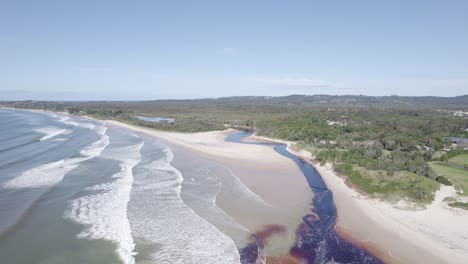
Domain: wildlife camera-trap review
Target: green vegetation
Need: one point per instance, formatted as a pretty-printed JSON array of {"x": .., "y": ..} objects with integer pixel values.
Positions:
[
  {"x": 444, "y": 180},
  {"x": 379, "y": 184},
  {"x": 454, "y": 169},
  {"x": 459, "y": 205},
  {"x": 460, "y": 159},
  {"x": 389, "y": 147}
]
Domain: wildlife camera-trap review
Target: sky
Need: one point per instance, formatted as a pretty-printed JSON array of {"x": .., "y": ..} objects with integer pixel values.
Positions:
[{"x": 145, "y": 50}]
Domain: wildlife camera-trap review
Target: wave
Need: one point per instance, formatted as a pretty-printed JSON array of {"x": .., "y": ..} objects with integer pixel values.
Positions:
[
  {"x": 59, "y": 140},
  {"x": 80, "y": 124},
  {"x": 51, "y": 173},
  {"x": 66, "y": 119},
  {"x": 158, "y": 215},
  {"x": 101, "y": 130},
  {"x": 19, "y": 145},
  {"x": 105, "y": 213},
  {"x": 50, "y": 132},
  {"x": 70, "y": 120},
  {"x": 97, "y": 147},
  {"x": 44, "y": 175}
]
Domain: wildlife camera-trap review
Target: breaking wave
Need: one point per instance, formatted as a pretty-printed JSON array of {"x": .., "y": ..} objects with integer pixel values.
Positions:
[
  {"x": 51, "y": 173},
  {"x": 104, "y": 213},
  {"x": 50, "y": 132},
  {"x": 159, "y": 216}
]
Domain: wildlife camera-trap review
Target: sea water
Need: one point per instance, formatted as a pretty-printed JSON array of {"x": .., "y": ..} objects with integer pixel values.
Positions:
[{"x": 78, "y": 191}]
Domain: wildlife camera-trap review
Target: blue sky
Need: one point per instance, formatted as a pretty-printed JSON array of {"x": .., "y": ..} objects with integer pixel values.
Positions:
[{"x": 108, "y": 50}]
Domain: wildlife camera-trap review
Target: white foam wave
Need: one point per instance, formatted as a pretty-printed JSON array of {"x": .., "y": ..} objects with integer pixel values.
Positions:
[
  {"x": 66, "y": 119},
  {"x": 44, "y": 175},
  {"x": 158, "y": 215},
  {"x": 80, "y": 124},
  {"x": 105, "y": 213},
  {"x": 96, "y": 148},
  {"x": 50, "y": 132},
  {"x": 60, "y": 139},
  {"x": 101, "y": 130},
  {"x": 51, "y": 173}
]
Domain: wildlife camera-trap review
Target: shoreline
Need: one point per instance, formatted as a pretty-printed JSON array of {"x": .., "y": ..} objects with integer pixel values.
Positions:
[
  {"x": 394, "y": 235},
  {"x": 286, "y": 196}
]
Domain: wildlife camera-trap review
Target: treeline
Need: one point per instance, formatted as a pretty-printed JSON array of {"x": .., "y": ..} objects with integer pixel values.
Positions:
[{"x": 383, "y": 137}]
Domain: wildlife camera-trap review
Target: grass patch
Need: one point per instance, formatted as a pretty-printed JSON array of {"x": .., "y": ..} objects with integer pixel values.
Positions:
[
  {"x": 459, "y": 205},
  {"x": 401, "y": 184},
  {"x": 461, "y": 160},
  {"x": 459, "y": 177}
]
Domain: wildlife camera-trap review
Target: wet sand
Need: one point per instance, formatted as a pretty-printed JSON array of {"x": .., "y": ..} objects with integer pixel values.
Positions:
[{"x": 282, "y": 196}]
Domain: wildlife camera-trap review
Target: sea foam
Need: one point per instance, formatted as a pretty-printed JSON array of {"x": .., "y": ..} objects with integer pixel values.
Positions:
[
  {"x": 159, "y": 216},
  {"x": 63, "y": 118},
  {"x": 50, "y": 132},
  {"x": 51, "y": 173},
  {"x": 97, "y": 147},
  {"x": 104, "y": 213},
  {"x": 44, "y": 175}
]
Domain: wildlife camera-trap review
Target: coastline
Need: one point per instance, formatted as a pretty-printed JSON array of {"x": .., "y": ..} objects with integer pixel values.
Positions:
[{"x": 437, "y": 234}]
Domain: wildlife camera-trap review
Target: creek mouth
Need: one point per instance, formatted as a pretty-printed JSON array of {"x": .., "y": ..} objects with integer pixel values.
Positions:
[{"x": 317, "y": 240}]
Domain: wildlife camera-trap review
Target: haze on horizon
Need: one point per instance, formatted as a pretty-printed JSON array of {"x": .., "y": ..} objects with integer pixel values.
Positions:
[{"x": 117, "y": 50}]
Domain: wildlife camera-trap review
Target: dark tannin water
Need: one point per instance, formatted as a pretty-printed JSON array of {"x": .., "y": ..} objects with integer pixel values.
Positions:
[{"x": 316, "y": 238}]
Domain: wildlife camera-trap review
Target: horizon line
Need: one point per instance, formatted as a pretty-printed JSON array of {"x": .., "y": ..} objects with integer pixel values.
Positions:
[{"x": 234, "y": 96}]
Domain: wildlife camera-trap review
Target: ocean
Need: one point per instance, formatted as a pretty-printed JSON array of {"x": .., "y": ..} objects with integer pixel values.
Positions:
[{"x": 78, "y": 191}]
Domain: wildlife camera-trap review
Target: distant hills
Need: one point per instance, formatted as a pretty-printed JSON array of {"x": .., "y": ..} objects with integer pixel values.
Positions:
[
  {"x": 336, "y": 100},
  {"x": 457, "y": 102},
  {"x": 353, "y": 100}
]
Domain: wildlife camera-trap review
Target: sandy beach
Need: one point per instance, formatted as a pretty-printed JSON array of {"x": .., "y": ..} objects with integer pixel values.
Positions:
[
  {"x": 437, "y": 234},
  {"x": 276, "y": 180}
]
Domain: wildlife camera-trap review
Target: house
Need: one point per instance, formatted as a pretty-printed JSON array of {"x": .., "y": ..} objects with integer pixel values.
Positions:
[{"x": 459, "y": 140}]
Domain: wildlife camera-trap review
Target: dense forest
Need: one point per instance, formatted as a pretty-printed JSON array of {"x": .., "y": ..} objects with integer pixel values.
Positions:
[{"x": 386, "y": 146}]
